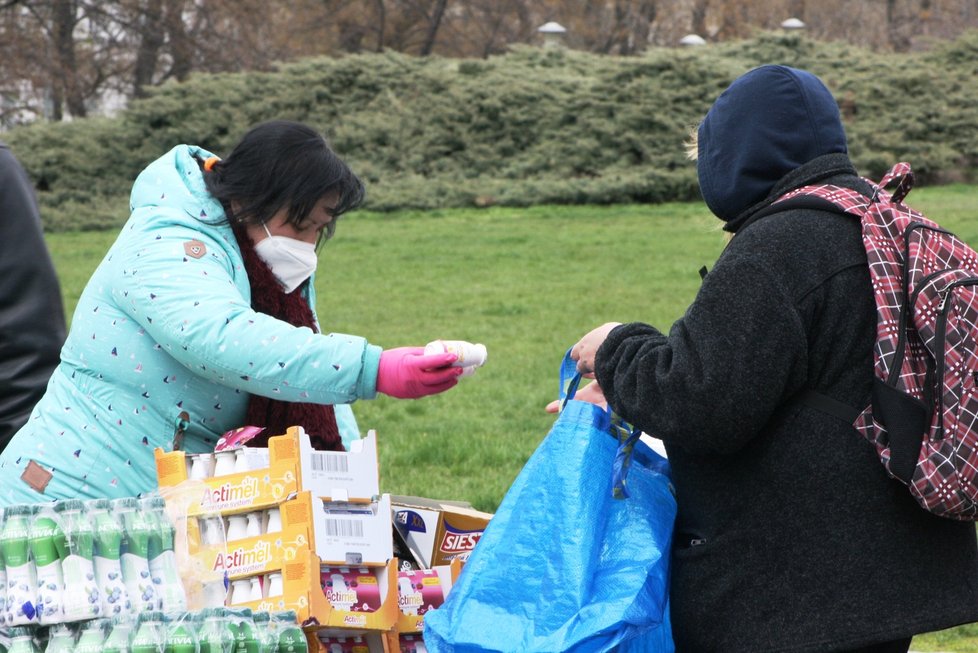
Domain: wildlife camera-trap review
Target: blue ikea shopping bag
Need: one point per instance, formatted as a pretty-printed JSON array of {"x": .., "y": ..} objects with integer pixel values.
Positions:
[{"x": 564, "y": 565}]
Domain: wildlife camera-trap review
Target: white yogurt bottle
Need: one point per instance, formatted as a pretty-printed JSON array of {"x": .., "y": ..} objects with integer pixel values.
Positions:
[
  {"x": 470, "y": 355},
  {"x": 202, "y": 466},
  {"x": 224, "y": 463},
  {"x": 237, "y": 527},
  {"x": 274, "y": 582},
  {"x": 240, "y": 591},
  {"x": 253, "y": 528},
  {"x": 274, "y": 524},
  {"x": 256, "y": 589},
  {"x": 241, "y": 463}
]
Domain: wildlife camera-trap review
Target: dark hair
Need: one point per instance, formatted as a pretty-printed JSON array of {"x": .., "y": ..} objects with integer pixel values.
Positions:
[{"x": 282, "y": 164}]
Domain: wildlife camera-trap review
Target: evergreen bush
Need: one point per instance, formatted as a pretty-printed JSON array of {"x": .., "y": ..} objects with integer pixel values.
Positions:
[{"x": 528, "y": 127}]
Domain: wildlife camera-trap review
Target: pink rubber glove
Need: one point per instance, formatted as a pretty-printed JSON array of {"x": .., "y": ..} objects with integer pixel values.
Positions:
[{"x": 407, "y": 373}]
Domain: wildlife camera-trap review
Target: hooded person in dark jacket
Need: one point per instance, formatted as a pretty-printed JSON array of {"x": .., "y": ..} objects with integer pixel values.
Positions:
[
  {"x": 790, "y": 535},
  {"x": 32, "y": 321}
]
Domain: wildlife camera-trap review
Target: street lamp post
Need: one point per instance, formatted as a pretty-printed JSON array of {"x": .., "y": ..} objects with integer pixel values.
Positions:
[
  {"x": 792, "y": 24},
  {"x": 553, "y": 34}
]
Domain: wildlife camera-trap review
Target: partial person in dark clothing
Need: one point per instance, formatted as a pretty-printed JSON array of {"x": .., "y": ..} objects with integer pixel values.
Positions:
[
  {"x": 790, "y": 535},
  {"x": 32, "y": 320}
]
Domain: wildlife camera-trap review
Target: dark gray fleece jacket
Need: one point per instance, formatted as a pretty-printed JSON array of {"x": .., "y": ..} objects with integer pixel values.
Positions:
[
  {"x": 790, "y": 535},
  {"x": 32, "y": 321}
]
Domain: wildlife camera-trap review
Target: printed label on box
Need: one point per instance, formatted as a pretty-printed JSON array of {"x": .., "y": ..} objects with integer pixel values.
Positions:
[
  {"x": 348, "y": 534},
  {"x": 352, "y": 590},
  {"x": 247, "y": 489},
  {"x": 258, "y": 554},
  {"x": 437, "y": 532},
  {"x": 419, "y": 591},
  {"x": 457, "y": 543}
]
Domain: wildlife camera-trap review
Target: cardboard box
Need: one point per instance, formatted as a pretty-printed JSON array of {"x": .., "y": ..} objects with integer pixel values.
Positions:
[
  {"x": 437, "y": 532},
  {"x": 353, "y": 533},
  {"x": 257, "y": 555},
  {"x": 292, "y": 466},
  {"x": 232, "y": 493},
  {"x": 341, "y": 476},
  {"x": 302, "y": 591},
  {"x": 342, "y": 534},
  {"x": 421, "y": 590},
  {"x": 332, "y": 475},
  {"x": 336, "y": 640},
  {"x": 411, "y": 643}
]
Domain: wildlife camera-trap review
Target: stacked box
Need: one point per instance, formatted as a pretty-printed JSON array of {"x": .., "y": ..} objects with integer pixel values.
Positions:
[
  {"x": 422, "y": 590},
  {"x": 339, "y": 533},
  {"x": 303, "y": 592},
  {"x": 330, "y": 516},
  {"x": 290, "y": 465},
  {"x": 327, "y": 640}
]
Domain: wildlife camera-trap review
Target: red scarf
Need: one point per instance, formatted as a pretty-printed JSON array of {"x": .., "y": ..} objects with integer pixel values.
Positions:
[{"x": 267, "y": 297}]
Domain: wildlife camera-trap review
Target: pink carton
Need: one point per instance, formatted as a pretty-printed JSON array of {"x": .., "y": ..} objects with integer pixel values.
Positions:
[
  {"x": 334, "y": 640},
  {"x": 344, "y": 644},
  {"x": 419, "y": 591},
  {"x": 412, "y": 644},
  {"x": 351, "y": 589}
]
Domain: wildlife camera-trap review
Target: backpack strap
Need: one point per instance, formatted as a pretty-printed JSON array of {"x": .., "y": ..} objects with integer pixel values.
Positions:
[
  {"x": 902, "y": 174},
  {"x": 828, "y": 405},
  {"x": 907, "y": 419},
  {"x": 811, "y": 202},
  {"x": 809, "y": 397}
]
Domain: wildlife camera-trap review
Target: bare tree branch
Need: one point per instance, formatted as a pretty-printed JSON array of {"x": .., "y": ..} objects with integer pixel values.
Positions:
[{"x": 433, "y": 23}]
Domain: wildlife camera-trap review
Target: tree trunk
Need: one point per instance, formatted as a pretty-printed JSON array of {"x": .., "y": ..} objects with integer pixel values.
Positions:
[
  {"x": 381, "y": 26},
  {"x": 433, "y": 24},
  {"x": 57, "y": 103},
  {"x": 648, "y": 11},
  {"x": 490, "y": 40},
  {"x": 697, "y": 23},
  {"x": 181, "y": 44},
  {"x": 896, "y": 28},
  {"x": 62, "y": 33},
  {"x": 621, "y": 33},
  {"x": 148, "y": 51},
  {"x": 632, "y": 21},
  {"x": 925, "y": 16}
]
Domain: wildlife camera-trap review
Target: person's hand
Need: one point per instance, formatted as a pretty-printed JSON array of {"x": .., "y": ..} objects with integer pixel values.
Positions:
[
  {"x": 591, "y": 393},
  {"x": 587, "y": 347},
  {"x": 409, "y": 373}
]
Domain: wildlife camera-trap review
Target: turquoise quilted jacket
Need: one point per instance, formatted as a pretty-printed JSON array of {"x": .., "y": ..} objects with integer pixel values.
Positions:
[{"x": 164, "y": 340}]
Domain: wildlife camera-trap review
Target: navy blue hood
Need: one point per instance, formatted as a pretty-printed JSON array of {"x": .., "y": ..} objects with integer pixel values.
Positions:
[{"x": 767, "y": 123}]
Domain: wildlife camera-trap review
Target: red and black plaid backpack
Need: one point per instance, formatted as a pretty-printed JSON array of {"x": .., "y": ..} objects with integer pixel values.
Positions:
[{"x": 923, "y": 417}]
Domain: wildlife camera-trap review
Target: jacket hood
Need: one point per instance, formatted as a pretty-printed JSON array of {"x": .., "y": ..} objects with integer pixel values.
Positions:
[
  {"x": 175, "y": 181},
  {"x": 767, "y": 123}
]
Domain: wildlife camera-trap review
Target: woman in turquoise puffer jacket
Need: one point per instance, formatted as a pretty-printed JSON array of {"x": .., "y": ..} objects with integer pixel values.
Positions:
[{"x": 200, "y": 319}]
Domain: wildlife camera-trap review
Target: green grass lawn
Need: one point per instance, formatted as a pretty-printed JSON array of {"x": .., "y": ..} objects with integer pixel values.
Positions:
[{"x": 525, "y": 282}]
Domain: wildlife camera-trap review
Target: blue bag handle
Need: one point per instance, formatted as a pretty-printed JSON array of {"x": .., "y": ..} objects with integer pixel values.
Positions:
[{"x": 626, "y": 434}]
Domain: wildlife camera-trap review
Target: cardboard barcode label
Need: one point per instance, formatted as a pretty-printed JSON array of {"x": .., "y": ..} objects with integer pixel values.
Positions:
[
  {"x": 324, "y": 462},
  {"x": 343, "y": 528}
]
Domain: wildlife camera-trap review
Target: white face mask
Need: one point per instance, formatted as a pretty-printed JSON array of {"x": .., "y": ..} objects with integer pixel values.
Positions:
[{"x": 292, "y": 261}]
